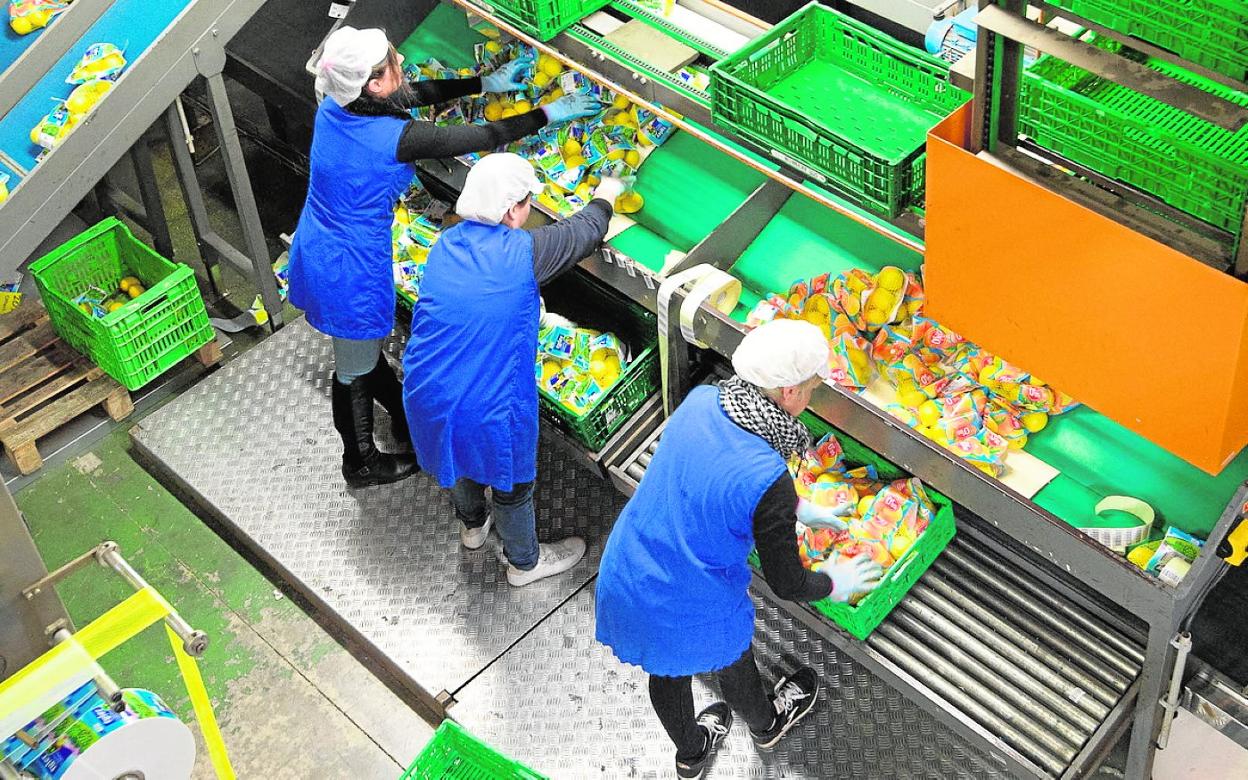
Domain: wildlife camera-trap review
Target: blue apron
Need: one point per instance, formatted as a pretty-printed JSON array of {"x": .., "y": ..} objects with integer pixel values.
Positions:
[
  {"x": 341, "y": 258},
  {"x": 673, "y": 585},
  {"x": 468, "y": 383}
]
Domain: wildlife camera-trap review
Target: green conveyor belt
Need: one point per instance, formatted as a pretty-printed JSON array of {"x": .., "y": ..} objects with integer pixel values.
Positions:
[
  {"x": 690, "y": 188},
  {"x": 444, "y": 35}
]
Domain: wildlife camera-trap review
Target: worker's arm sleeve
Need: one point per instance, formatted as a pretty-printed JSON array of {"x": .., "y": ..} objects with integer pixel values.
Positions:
[
  {"x": 425, "y": 140},
  {"x": 434, "y": 91},
  {"x": 776, "y": 539},
  {"x": 561, "y": 245}
]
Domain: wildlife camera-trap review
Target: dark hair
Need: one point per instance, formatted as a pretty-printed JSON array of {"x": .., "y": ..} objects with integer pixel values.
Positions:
[{"x": 391, "y": 60}]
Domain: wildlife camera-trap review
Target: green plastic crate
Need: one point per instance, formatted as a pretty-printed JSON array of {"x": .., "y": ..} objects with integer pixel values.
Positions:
[
  {"x": 840, "y": 101},
  {"x": 1185, "y": 161},
  {"x": 861, "y": 619},
  {"x": 589, "y": 305},
  {"x": 145, "y": 337},
  {"x": 454, "y": 754},
  {"x": 544, "y": 19},
  {"x": 1211, "y": 33}
]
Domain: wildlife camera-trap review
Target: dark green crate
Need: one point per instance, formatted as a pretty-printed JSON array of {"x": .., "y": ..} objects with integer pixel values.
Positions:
[
  {"x": 544, "y": 19},
  {"x": 454, "y": 754},
  {"x": 1210, "y": 33},
  {"x": 863, "y": 618},
  {"x": 1181, "y": 159},
  {"x": 590, "y": 305},
  {"x": 839, "y": 100},
  {"x": 149, "y": 334}
]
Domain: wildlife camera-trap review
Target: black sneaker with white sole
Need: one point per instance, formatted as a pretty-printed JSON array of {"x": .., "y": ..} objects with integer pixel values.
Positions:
[
  {"x": 715, "y": 721},
  {"x": 796, "y": 695}
]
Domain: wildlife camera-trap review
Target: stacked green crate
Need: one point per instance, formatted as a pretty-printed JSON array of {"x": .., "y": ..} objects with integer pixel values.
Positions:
[
  {"x": 1183, "y": 160},
  {"x": 1210, "y": 33}
]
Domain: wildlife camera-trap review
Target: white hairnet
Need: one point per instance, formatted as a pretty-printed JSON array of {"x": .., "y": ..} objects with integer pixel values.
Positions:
[
  {"x": 347, "y": 60},
  {"x": 496, "y": 183},
  {"x": 782, "y": 353}
]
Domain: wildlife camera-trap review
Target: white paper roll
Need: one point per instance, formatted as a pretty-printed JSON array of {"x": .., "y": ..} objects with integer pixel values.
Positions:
[
  {"x": 710, "y": 285},
  {"x": 157, "y": 748}
]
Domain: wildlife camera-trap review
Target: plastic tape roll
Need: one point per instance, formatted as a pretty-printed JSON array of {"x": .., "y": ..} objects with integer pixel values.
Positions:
[
  {"x": 1120, "y": 538},
  {"x": 708, "y": 285}
]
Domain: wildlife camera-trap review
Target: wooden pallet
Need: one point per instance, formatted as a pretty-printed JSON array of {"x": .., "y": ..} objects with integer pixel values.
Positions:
[{"x": 45, "y": 383}]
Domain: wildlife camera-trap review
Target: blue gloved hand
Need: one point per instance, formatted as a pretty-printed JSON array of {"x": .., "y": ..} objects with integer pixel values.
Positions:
[
  {"x": 851, "y": 577},
  {"x": 510, "y": 77},
  {"x": 575, "y": 106}
]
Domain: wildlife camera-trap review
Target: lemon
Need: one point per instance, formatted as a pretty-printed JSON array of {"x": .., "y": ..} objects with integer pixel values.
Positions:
[
  {"x": 584, "y": 191},
  {"x": 541, "y": 80},
  {"x": 891, "y": 278},
  {"x": 493, "y": 47},
  {"x": 876, "y": 316},
  {"x": 863, "y": 503},
  {"x": 629, "y": 203},
  {"x": 551, "y": 67},
  {"x": 39, "y": 19},
  {"x": 571, "y": 148},
  {"x": 86, "y": 308},
  {"x": 523, "y": 106},
  {"x": 508, "y": 113},
  {"x": 899, "y": 545},
  {"x": 1019, "y": 443},
  {"x": 593, "y": 179},
  {"x": 858, "y": 359},
  {"x": 555, "y": 93},
  {"x": 603, "y": 373},
  {"x": 113, "y": 306},
  {"x": 549, "y": 369},
  {"x": 1034, "y": 422},
  {"x": 617, "y": 154},
  {"x": 929, "y": 413},
  {"x": 128, "y": 282},
  {"x": 135, "y": 290},
  {"x": 21, "y": 25},
  {"x": 34, "y": 134},
  {"x": 575, "y": 161},
  {"x": 913, "y": 398},
  {"x": 493, "y": 111},
  {"x": 632, "y": 157},
  {"x": 852, "y": 306},
  {"x": 620, "y": 102}
]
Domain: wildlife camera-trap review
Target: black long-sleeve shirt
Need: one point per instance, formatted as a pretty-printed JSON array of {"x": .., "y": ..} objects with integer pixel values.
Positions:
[
  {"x": 561, "y": 245},
  {"x": 423, "y": 140},
  {"x": 774, "y": 536}
]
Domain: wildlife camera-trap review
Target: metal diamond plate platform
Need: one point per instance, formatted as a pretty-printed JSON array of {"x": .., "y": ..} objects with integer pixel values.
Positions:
[
  {"x": 562, "y": 704},
  {"x": 254, "y": 444}
]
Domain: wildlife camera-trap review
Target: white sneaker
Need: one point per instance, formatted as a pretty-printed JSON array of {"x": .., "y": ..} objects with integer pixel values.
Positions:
[
  {"x": 473, "y": 538},
  {"x": 554, "y": 558}
]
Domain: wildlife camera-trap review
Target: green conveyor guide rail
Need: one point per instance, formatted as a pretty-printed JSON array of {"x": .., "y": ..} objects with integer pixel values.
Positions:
[{"x": 691, "y": 187}]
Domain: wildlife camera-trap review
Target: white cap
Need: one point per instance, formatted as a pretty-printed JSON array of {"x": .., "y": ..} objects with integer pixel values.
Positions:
[
  {"x": 782, "y": 353},
  {"x": 496, "y": 183},
  {"x": 347, "y": 60}
]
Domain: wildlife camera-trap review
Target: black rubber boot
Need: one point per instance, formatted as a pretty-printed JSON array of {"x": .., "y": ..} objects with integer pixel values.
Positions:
[
  {"x": 388, "y": 390},
  {"x": 362, "y": 463}
]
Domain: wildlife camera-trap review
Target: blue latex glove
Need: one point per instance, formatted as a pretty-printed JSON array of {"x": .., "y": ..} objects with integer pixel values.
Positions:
[
  {"x": 510, "y": 77},
  {"x": 575, "y": 106},
  {"x": 851, "y": 576}
]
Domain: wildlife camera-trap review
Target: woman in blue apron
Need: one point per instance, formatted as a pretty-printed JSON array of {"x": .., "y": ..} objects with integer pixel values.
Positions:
[
  {"x": 364, "y": 143},
  {"x": 673, "y": 585},
  {"x": 468, "y": 369}
]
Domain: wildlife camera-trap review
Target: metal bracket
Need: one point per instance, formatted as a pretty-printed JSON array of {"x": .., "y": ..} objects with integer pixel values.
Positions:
[
  {"x": 108, "y": 555},
  {"x": 725, "y": 244}
]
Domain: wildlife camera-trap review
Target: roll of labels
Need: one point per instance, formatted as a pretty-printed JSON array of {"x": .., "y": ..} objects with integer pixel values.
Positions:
[
  {"x": 88, "y": 737},
  {"x": 56, "y": 722},
  {"x": 707, "y": 284}
]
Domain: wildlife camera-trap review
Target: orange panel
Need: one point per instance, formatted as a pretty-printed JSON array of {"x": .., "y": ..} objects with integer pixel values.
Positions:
[{"x": 1138, "y": 331}]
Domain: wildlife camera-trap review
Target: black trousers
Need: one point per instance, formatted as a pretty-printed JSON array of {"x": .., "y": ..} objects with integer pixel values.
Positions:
[{"x": 672, "y": 699}]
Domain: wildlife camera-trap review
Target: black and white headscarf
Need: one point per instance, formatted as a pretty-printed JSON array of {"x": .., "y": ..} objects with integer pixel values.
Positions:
[{"x": 748, "y": 407}]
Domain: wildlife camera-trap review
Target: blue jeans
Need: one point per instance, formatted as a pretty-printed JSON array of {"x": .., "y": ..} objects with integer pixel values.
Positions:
[
  {"x": 513, "y": 517},
  {"x": 353, "y": 358}
]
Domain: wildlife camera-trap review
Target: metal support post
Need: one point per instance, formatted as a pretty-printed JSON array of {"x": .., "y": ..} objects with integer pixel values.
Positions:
[
  {"x": 189, "y": 182},
  {"x": 1159, "y": 659},
  {"x": 244, "y": 197},
  {"x": 149, "y": 194}
]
